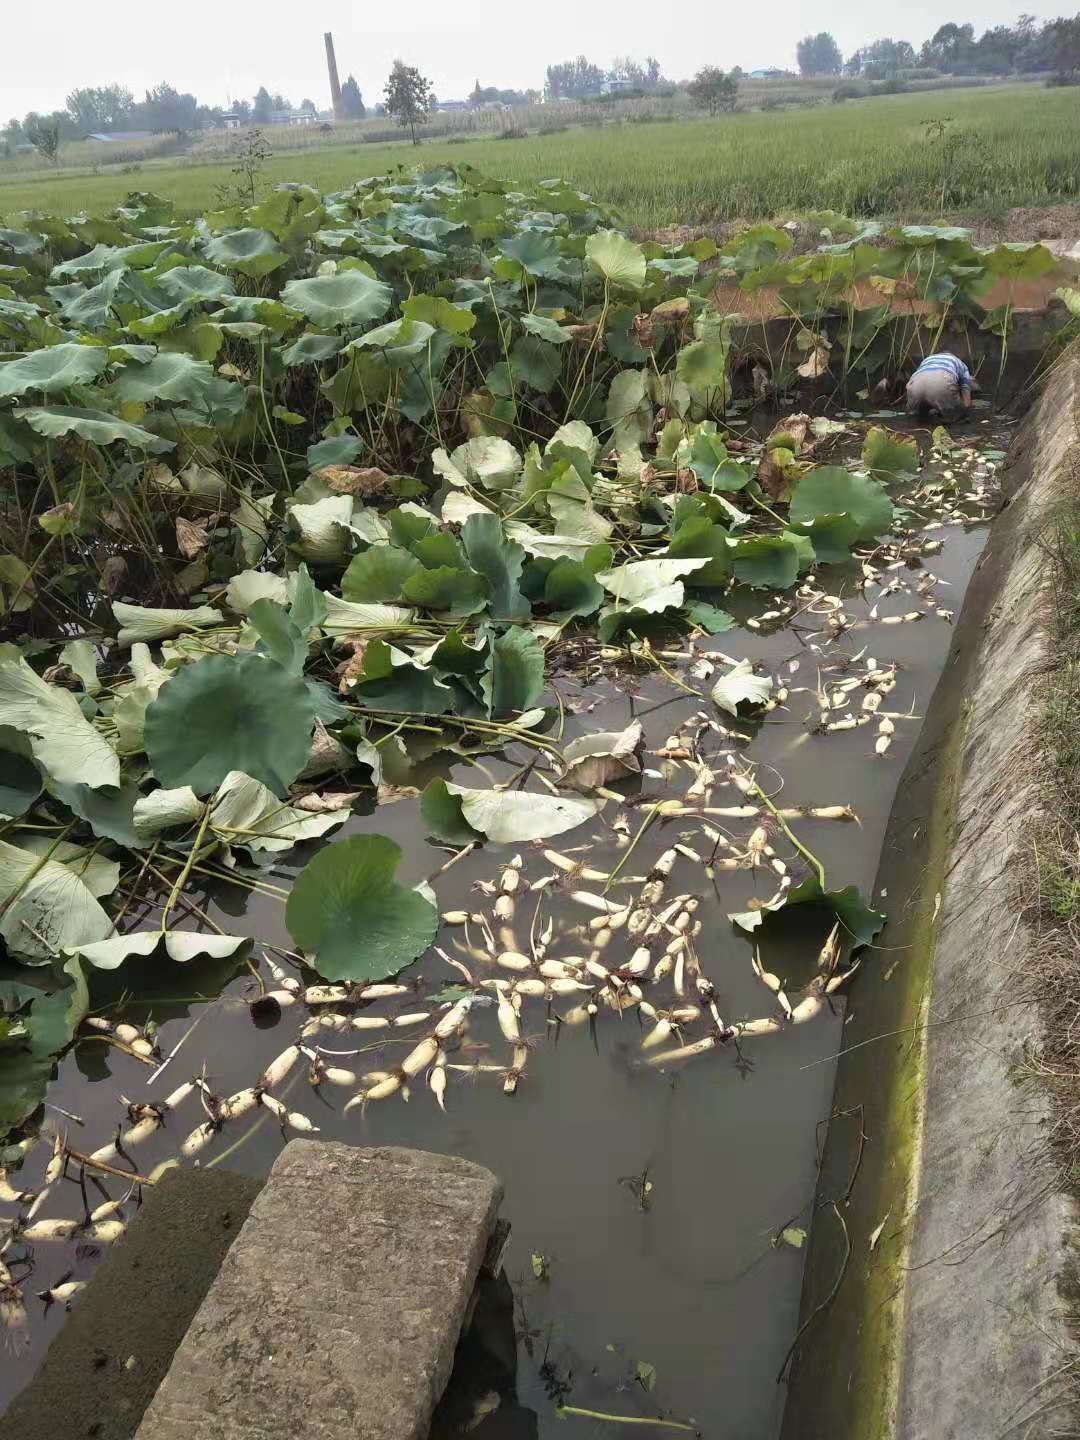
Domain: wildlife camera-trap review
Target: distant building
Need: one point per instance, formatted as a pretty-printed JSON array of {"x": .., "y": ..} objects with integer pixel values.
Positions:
[
  {"x": 109, "y": 137},
  {"x": 616, "y": 85},
  {"x": 293, "y": 117},
  {"x": 231, "y": 120},
  {"x": 451, "y": 105},
  {"x": 772, "y": 73}
]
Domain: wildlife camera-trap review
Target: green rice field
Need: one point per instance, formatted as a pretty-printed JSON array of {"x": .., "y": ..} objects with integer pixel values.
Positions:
[{"x": 1002, "y": 146}]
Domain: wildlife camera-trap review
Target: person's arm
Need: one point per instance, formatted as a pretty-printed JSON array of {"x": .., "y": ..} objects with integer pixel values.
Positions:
[{"x": 967, "y": 385}]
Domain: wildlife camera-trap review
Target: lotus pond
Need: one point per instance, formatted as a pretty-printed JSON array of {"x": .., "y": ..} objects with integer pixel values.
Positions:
[{"x": 439, "y": 707}]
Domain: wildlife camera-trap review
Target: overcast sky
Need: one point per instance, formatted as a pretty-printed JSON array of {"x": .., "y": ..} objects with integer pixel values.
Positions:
[{"x": 221, "y": 50}]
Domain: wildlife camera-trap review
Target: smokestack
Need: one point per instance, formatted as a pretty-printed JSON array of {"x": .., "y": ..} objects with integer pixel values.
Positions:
[{"x": 335, "y": 83}]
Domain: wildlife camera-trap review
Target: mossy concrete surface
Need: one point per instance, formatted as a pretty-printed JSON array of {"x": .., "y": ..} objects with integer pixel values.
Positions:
[
  {"x": 937, "y": 1299},
  {"x": 102, "y": 1370}
]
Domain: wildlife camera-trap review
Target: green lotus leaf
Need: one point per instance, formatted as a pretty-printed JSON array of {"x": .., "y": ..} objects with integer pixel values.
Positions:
[
  {"x": 456, "y": 591},
  {"x": 641, "y": 582},
  {"x": 96, "y": 426},
  {"x": 441, "y": 314},
  {"x": 247, "y": 815},
  {"x": 109, "y": 811},
  {"x": 46, "y": 1024},
  {"x": 741, "y": 686},
  {"x": 500, "y": 561},
  {"x": 443, "y": 815},
  {"x": 710, "y": 462},
  {"x": 323, "y": 528},
  {"x": 312, "y": 349},
  {"x": 279, "y": 638},
  {"x": 93, "y": 307},
  {"x": 337, "y": 450},
  {"x": 487, "y": 461},
  {"x": 20, "y": 242},
  {"x": 535, "y": 363},
  {"x": 141, "y": 623},
  {"x": 711, "y": 619},
  {"x": 514, "y": 678},
  {"x": 545, "y": 329},
  {"x": 629, "y": 410},
  {"x": 617, "y": 259},
  {"x": 392, "y": 680},
  {"x": 510, "y": 817},
  {"x": 53, "y": 370},
  {"x": 832, "y": 537},
  {"x": 163, "y": 322},
  {"x": 535, "y": 253},
  {"x": 195, "y": 282},
  {"x": 178, "y": 945},
  {"x": 398, "y": 341},
  {"x": 348, "y": 298},
  {"x": 831, "y": 490},
  {"x": 168, "y": 378},
  {"x": 64, "y": 743},
  {"x": 20, "y": 778},
  {"x": 700, "y": 538},
  {"x": 348, "y": 913},
  {"x": 378, "y": 574},
  {"x": 45, "y": 906},
  {"x": 885, "y": 453},
  {"x": 1019, "y": 260},
  {"x": 252, "y": 252},
  {"x": 765, "y": 561},
  {"x": 571, "y": 589},
  {"x": 702, "y": 365},
  {"x": 858, "y": 921},
  {"x": 225, "y": 713}
]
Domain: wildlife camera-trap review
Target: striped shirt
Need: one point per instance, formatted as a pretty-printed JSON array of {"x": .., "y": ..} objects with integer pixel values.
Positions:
[{"x": 950, "y": 365}]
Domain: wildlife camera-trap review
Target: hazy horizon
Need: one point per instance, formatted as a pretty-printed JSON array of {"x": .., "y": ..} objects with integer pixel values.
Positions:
[{"x": 222, "y": 54}]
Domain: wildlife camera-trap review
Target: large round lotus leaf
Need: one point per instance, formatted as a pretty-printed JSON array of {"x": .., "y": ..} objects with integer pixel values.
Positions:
[
  {"x": 252, "y": 252},
  {"x": 97, "y": 426},
  {"x": 347, "y": 911},
  {"x": 350, "y": 298},
  {"x": 230, "y": 712},
  {"x": 195, "y": 282},
  {"x": 170, "y": 376},
  {"x": 54, "y": 369},
  {"x": 834, "y": 491},
  {"x": 618, "y": 259}
]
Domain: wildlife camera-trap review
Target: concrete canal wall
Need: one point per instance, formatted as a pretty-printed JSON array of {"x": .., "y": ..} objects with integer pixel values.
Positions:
[{"x": 942, "y": 1268}]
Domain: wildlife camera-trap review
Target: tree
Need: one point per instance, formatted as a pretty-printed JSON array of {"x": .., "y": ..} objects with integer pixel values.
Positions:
[
  {"x": 308, "y": 106},
  {"x": 1063, "y": 37},
  {"x": 573, "y": 79},
  {"x": 165, "y": 108},
  {"x": 352, "y": 102},
  {"x": 408, "y": 97},
  {"x": 101, "y": 107},
  {"x": 653, "y": 74},
  {"x": 819, "y": 55},
  {"x": 242, "y": 111},
  {"x": 712, "y": 90},
  {"x": 950, "y": 47},
  {"x": 44, "y": 135},
  {"x": 263, "y": 107}
]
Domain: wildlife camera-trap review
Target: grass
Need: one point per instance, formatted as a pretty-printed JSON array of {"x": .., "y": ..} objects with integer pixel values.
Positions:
[{"x": 1009, "y": 146}]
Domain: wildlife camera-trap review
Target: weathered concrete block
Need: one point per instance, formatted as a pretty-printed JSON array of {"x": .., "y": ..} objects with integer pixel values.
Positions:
[
  {"x": 101, "y": 1371},
  {"x": 338, "y": 1308}
]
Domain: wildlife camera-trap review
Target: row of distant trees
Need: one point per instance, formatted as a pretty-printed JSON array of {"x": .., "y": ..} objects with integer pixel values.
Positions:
[
  {"x": 1029, "y": 45},
  {"x": 580, "y": 78}
]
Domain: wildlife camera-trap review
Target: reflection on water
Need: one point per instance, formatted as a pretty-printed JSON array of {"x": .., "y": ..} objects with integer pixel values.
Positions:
[{"x": 645, "y": 1271}]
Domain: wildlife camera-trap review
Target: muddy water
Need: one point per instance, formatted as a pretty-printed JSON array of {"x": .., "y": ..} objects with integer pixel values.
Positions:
[{"x": 685, "y": 1280}]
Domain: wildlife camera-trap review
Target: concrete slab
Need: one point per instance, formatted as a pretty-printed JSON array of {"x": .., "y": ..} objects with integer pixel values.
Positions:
[
  {"x": 337, "y": 1311},
  {"x": 103, "y": 1368}
]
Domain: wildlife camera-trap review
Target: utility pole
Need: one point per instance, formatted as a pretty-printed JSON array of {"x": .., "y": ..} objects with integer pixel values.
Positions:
[{"x": 335, "y": 83}]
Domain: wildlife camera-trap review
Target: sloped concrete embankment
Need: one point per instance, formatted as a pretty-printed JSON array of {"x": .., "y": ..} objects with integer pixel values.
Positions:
[{"x": 943, "y": 1260}]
